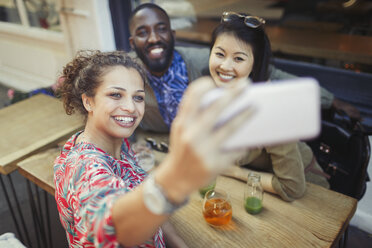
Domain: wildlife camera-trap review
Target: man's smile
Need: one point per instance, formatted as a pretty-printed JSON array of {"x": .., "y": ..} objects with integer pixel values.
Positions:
[{"x": 155, "y": 52}]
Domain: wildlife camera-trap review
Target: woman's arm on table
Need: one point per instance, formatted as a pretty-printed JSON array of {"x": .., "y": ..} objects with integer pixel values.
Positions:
[
  {"x": 242, "y": 174},
  {"x": 288, "y": 177}
]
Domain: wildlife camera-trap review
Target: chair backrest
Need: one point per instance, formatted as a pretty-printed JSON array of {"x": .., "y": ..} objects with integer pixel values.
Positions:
[
  {"x": 343, "y": 151},
  {"x": 349, "y": 86}
]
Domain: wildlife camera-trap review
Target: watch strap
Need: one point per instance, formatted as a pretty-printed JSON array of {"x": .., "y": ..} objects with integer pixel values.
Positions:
[{"x": 151, "y": 188}]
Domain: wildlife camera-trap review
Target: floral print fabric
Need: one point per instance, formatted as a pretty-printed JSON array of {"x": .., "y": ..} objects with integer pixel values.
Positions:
[
  {"x": 88, "y": 181},
  {"x": 170, "y": 87}
]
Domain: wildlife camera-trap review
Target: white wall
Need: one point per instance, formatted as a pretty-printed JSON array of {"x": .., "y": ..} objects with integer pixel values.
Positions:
[
  {"x": 87, "y": 25},
  {"x": 32, "y": 57},
  {"x": 29, "y": 57}
]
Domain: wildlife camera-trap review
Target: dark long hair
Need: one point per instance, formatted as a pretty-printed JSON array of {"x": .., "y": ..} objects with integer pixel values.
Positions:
[{"x": 256, "y": 38}]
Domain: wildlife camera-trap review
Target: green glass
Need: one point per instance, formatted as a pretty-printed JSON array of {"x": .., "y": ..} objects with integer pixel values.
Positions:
[
  {"x": 205, "y": 189},
  {"x": 253, "y": 194},
  {"x": 253, "y": 205}
]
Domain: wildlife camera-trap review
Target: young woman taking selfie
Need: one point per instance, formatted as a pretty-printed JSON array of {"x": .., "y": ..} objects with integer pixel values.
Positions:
[{"x": 103, "y": 197}]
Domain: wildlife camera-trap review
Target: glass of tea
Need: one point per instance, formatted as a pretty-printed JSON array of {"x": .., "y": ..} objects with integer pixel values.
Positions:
[{"x": 217, "y": 209}]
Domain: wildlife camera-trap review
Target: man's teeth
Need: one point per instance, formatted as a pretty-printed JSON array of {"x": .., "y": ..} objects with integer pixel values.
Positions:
[
  {"x": 157, "y": 50},
  {"x": 124, "y": 119},
  {"x": 225, "y": 76}
]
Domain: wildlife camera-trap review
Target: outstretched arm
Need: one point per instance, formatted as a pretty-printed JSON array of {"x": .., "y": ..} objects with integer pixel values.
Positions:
[
  {"x": 242, "y": 174},
  {"x": 194, "y": 158},
  {"x": 287, "y": 178}
]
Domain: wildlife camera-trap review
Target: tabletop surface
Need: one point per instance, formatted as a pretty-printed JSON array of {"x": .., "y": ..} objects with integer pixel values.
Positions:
[
  {"x": 316, "y": 220},
  {"x": 31, "y": 125},
  {"x": 39, "y": 168}
]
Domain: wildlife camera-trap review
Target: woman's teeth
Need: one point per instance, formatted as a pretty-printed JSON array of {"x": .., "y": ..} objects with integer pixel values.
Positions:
[
  {"x": 225, "y": 76},
  {"x": 124, "y": 119}
]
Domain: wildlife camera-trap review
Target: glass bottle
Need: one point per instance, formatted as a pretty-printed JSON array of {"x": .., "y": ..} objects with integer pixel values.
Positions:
[{"x": 253, "y": 194}]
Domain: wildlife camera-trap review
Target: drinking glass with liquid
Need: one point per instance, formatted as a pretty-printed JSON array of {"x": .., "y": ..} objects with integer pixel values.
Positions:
[
  {"x": 144, "y": 155},
  {"x": 217, "y": 209},
  {"x": 253, "y": 194}
]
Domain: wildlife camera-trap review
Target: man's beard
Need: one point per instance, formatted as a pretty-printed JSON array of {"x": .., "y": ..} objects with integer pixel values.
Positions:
[{"x": 157, "y": 65}]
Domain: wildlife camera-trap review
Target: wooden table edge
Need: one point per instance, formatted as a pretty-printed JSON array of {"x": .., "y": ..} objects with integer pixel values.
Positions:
[
  {"x": 346, "y": 223},
  {"x": 9, "y": 168},
  {"x": 40, "y": 183}
]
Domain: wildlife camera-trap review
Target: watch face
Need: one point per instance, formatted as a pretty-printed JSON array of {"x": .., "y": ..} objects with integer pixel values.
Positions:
[
  {"x": 154, "y": 202},
  {"x": 153, "y": 198}
]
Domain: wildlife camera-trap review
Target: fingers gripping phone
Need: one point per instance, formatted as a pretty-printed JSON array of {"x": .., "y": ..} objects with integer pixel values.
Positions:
[{"x": 281, "y": 112}]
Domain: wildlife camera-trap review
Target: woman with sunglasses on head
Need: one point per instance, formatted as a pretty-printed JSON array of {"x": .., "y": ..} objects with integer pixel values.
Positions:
[
  {"x": 103, "y": 197},
  {"x": 240, "y": 49}
]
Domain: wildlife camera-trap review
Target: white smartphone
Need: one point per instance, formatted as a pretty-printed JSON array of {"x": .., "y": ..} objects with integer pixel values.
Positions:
[{"x": 281, "y": 111}]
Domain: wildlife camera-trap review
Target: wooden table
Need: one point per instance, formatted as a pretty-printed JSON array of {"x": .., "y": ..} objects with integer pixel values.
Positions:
[
  {"x": 39, "y": 169},
  {"x": 317, "y": 220},
  {"x": 31, "y": 125},
  {"x": 26, "y": 128},
  {"x": 304, "y": 42}
]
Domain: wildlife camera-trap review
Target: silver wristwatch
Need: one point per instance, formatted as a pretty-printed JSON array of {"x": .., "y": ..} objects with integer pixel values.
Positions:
[{"x": 155, "y": 198}]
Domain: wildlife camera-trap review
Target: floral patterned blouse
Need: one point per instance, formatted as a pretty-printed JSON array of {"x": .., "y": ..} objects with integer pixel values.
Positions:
[{"x": 88, "y": 181}]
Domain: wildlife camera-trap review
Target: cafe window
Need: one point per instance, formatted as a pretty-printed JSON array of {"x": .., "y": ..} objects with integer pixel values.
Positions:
[
  {"x": 31, "y": 13},
  {"x": 181, "y": 12},
  {"x": 9, "y": 12}
]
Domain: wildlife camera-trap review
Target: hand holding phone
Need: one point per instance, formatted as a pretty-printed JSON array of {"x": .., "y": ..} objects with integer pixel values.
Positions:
[{"x": 281, "y": 112}]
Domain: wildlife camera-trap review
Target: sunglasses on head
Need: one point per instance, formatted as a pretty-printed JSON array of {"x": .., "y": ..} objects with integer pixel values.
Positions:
[
  {"x": 162, "y": 147},
  {"x": 250, "y": 21}
]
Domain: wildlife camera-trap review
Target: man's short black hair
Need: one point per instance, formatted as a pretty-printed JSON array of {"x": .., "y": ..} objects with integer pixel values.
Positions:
[{"x": 144, "y": 6}]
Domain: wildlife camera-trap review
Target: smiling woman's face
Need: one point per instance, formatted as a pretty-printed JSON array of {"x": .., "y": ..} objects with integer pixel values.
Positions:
[
  {"x": 118, "y": 105},
  {"x": 230, "y": 60}
]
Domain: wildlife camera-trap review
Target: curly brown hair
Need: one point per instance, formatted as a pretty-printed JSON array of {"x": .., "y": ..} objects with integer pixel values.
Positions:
[{"x": 83, "y": 75}]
